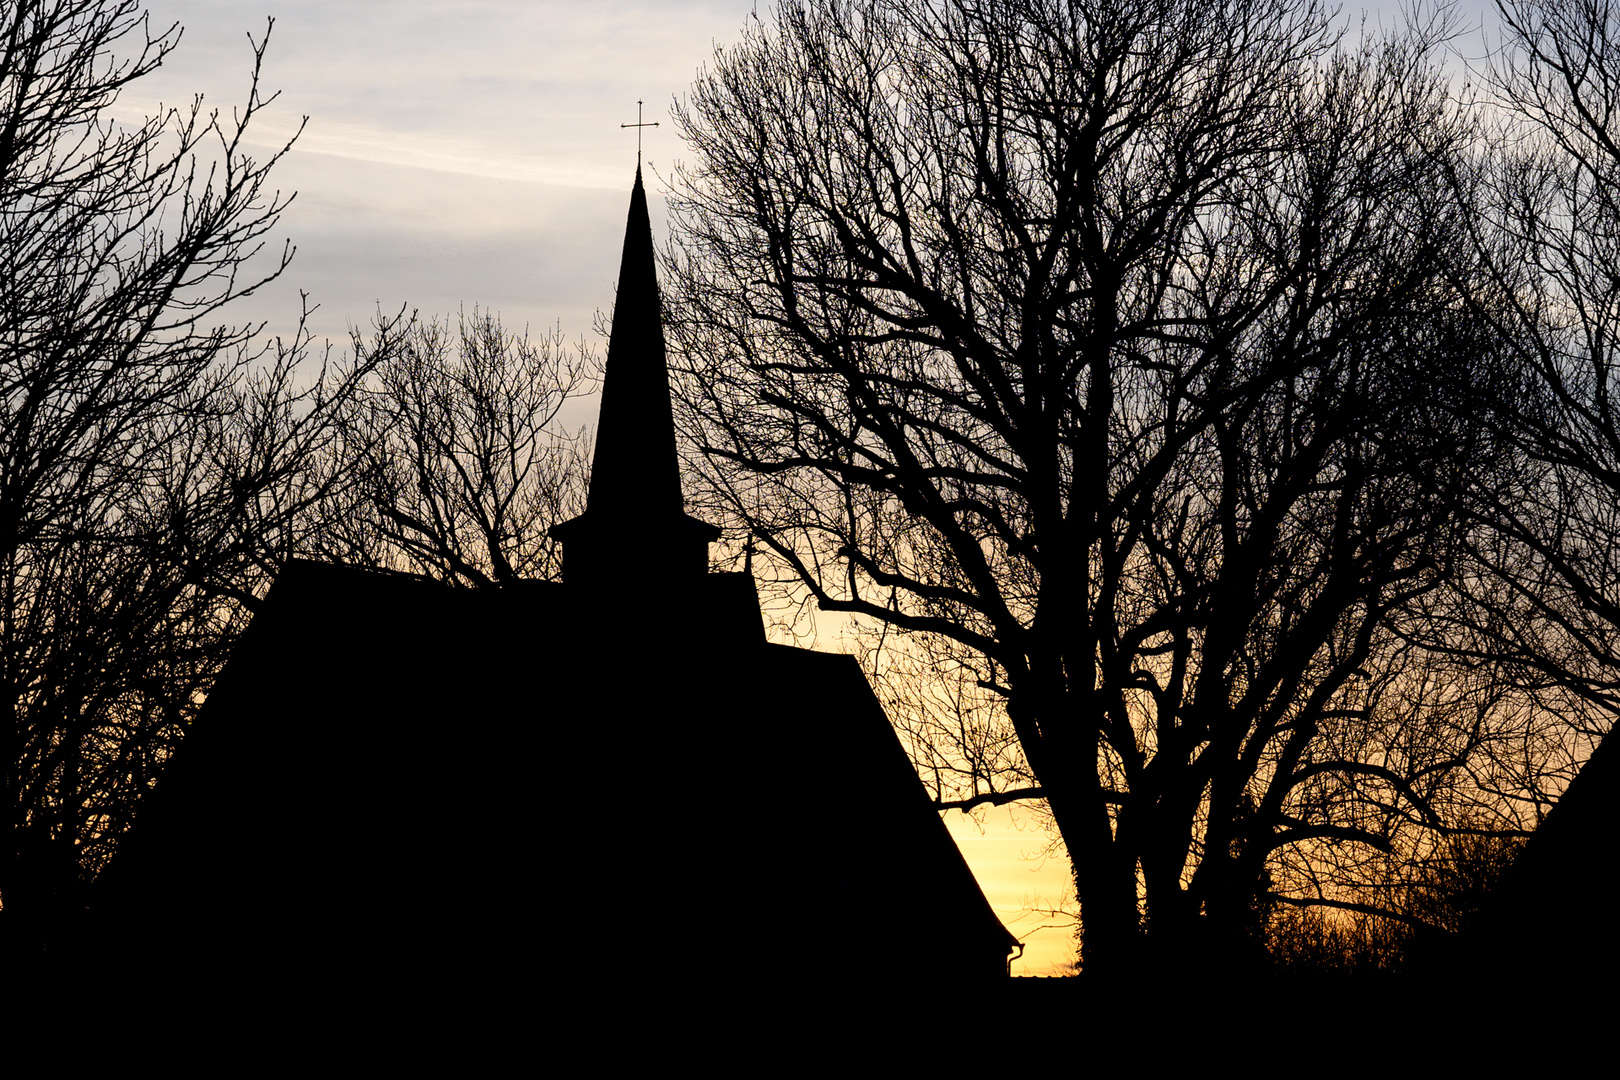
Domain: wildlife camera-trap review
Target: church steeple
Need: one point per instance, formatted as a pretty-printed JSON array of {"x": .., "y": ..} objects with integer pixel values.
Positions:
[{"x": 634, "y": 522}]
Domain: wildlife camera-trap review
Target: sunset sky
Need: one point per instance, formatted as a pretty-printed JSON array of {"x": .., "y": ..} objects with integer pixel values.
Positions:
[{"x": 470, "y": 153}]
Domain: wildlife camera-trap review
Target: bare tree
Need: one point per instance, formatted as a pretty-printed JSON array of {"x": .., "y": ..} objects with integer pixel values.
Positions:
[
  {"x": 1114, "y": 353},
  {"x": 152, "y": 466},
  {"x": 1443, "y": 892},
  {"x": 455, "y": 459},
  {"x": 1549, "y": 232}
]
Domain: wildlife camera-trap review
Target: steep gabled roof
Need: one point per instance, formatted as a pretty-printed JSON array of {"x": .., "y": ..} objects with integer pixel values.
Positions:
[
  {"x": 1549, "y": 924},
  {"x": 403, "y": 783},
  {"x": 400, "y": 781}
]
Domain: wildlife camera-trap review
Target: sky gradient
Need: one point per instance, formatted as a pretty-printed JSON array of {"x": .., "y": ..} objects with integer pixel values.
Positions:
[{"x": 461, "y": 154}]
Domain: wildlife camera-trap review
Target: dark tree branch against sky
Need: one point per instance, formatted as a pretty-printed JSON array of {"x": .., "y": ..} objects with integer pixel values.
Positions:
[
  {"x": 452, "y": 462},
  {"x": 1549, "y": 234},
  {"x": 153, "y": 464},
  {"x": 1120, "y": 358}
]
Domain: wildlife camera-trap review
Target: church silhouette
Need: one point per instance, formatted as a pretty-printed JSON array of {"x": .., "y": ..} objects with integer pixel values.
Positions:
[{"x": 397, "y": 782}]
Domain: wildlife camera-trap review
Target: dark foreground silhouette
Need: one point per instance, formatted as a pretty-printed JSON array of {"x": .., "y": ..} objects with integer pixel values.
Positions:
[
  {"x": 402, "y": 787},
  {"x": 399, "y": 784}
]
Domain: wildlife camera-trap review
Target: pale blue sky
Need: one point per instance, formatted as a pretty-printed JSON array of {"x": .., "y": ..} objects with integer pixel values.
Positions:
[{"x": 456, "y": 152}]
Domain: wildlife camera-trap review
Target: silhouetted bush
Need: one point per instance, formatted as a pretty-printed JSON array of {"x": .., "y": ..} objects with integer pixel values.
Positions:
[{"x": 1442, "y": 897}]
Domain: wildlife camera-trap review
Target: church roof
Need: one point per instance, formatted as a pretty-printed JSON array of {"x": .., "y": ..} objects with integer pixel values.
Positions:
[
  {"x": 1549, "y": 923},
  {"x": 400, "y": 778}
]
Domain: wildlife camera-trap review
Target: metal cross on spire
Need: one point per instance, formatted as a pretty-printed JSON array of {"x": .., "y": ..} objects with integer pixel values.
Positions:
[{"x": 638, "y": 125}]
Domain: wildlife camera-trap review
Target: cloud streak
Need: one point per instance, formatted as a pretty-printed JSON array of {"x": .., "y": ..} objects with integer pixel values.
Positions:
[{"x": 454, "y": 153}]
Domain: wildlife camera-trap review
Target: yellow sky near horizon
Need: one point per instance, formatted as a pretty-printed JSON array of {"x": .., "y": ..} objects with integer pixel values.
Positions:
[{"x": 1006, "y": 849}]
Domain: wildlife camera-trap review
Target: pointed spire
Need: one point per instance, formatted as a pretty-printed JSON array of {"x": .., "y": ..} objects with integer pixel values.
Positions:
[
  {"x": 636, "y": 468},
  {"x": 634, "y": 519}
]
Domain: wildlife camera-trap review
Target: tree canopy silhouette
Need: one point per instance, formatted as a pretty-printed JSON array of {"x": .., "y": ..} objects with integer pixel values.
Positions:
[
  {"x": 1548, "y": 218},
  {"x": 1117, "y": 356},
  {"x": 153, "y": 465},
  {"x": 454, "y": 459}
]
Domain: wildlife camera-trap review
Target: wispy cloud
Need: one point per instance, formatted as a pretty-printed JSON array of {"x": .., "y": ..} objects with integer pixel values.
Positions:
[{"x": 455, "y": 152}]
